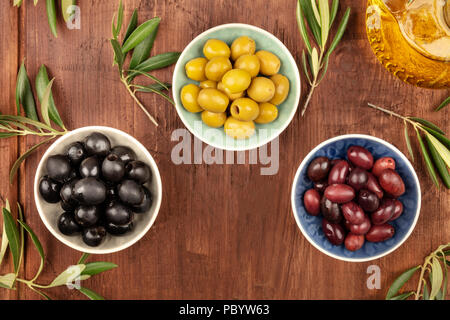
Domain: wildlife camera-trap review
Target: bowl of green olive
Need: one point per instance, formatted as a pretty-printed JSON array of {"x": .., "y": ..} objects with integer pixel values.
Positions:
[{"x": 236, "y": 87}]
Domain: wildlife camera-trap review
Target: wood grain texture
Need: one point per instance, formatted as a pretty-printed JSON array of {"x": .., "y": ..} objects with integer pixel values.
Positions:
[{"x": 223, "y": 231}]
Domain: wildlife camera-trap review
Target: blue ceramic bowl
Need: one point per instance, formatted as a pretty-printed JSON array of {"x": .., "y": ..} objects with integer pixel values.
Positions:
[
  {"x": 264, "y": 132},
  {"x": 311, "y": 226}
]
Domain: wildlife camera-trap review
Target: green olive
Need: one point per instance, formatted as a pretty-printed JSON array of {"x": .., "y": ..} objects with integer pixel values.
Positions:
[
  {"x": 261, "y": 89},
  {"x": 195, "y": 69},
  {"x": 214, "y": 119},
  {"x": 189, "y": 95},
  {"x": 249, "y": 63},
  {"x": 239, "y": 129},
  {"x": 208, "y": 84},
  {"x": 216, "y": 48},
  {"x": 236, "y": 80},
  {"x": 268, "y": 112},
  {"x": 270, "y": 64},
  {"x": 231, "y": 96},
  {"x": 244, "y": 109},
  {"x": 217, "y": 67},
  {"x": 281, "y": 89},
  {"x": 213, "y": 100},
  {"x": 242, "y": 45}
]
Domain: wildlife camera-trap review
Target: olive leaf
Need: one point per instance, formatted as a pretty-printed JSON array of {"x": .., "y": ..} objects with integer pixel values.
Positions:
[
  {"x": 339, "y": 33},
  {"x": 408, "y": 142},
  {"x": 45, "y": 103},
  {"x": 94, "y": 268},
  {"x": 444, "y": 103},
  {"x": 427, "y": 124},
  {"x": 400, "y": 281},
  {"x": 442, "y": 138},
  {"x": 151, "y": 77},
  {"x": 51, "y": 15},
  {"x": 17, "y": 3},
  {"x": 324, "y": 20},
  {"x": 303, "y": 32},
  {"x": 90, "y": 294},
  {"x": 13, "y": 237},
  {"x": 119, "y": 57},
  {"x": 439, "y": 163},
  {"x": 4, "y": 245},
  {"x": 7, "y": 281},
  {"x": 437, "y": 277},
  {"x": 38, "y": 246},
  {"x": 427, "y": 159},
  {"x": 142, "y": 50},
  {"x": 67, "y": 10},
  {"x": 334, "y": 9},
  {"x": 83, "y": 258},
  {"x": 426, "y": 292},
  {"x": 157, "y": 62},
  {"x": 403, "y": 296},
  {"x": 139, "y": 34},
  {"x": 116, "y": 27},
  {"x": 42, "y": 83},
  {"x": 24, "y": 94},
  {"x": 67, "y": 276},
  {"x": 441, "y": 149},
  {"x": 131, "y": 25}
]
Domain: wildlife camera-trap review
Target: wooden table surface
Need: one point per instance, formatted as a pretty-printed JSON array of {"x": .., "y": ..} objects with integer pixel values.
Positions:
[{"x": 223, "y": 231}]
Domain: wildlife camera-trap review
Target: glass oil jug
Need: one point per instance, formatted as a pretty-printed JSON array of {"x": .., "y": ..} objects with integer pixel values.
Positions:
[{"x": 411, "y": 38}]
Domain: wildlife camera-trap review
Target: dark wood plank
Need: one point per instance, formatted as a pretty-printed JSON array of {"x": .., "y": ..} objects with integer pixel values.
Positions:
[{"x": 224, "y": 231}]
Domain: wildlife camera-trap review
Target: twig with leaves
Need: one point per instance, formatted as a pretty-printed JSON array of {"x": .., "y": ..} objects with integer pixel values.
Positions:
[
  {"x": 437, "y": 156},
  {"x": 13, "y": 237},
  {"x": 444, "y": 103},
  {"x": 17, "y": 125},
  {"x": 319, "y": 18},
  {"x": 433, "y": 287},
  {"x": 67, "y": 11},
  {"x": 140, "y": 39}
]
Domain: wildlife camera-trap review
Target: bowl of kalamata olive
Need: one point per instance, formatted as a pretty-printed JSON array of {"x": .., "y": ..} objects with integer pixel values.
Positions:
[
  {"x": 356, "y": 197},
  {"x": 97, "y": 190}
]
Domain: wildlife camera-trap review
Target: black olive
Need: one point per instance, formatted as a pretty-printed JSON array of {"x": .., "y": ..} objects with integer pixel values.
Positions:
[
  {"x": 58, "y": 167},
  {"x": 49, "y": 190},
  {"x": 97, "y": 144},
  {"x": 76, "y": 153},
  {"x": 138, "y": 171},
  {"x": 87, "y": 216},
  {"x": 90, "y": 167},
  {"x": 124, "y": 153},
  {"x": 118, "y": 230},
  {"x": 113, "y": 169},
  {"x": 94, "y": 236},
  {"x": 66, "y": 192},
  {"x": 90, "y": 191},
  {"x": 67, "y": 224},
  {"x": 118, "y": 213},
  {"x": 130, "y": 192},
  {"x": 146, "y": 203}
]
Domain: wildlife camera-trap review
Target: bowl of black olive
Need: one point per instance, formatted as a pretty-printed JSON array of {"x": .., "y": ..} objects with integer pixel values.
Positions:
[{"x": 97, "y": 189}]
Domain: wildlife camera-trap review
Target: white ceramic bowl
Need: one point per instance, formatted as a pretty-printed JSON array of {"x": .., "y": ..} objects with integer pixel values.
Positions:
[
  {"x": 265, "y": 133},
  {"x": 336, "y": 148},
  {"x": 49, "y": 212}
]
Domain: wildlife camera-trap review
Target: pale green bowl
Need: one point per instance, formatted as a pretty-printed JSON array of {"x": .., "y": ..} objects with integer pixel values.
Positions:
[{"x": 264, "y": 132}]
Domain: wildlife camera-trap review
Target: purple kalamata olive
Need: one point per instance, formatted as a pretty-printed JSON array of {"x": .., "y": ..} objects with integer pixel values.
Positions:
[
  {"x": 339, "y": 193},
  {"x": 354, "y": 242},
  {"x": 338, "y": 173},
  {"x": 380, "y": 233},
  {"x": 398, "y": 210},
  {"x": 311, "y": 199},
  {"x": 358, "y": 178},
  {"x": 368, "y": 200},
  {"x": 360, "y": 157},
  {"x": 330, "y": 210},
  {"x": 318, "y": 169},
  {"x": 381, "y": 164},
  {"x": 384, "y": 212},
  {"x": 361, "y": 228},
  {"x": 392, "y": 183},
  {"x": 374, "y": 186},
  {"x": 353, "y": 213},
  {"x": 334, "y": 232}
]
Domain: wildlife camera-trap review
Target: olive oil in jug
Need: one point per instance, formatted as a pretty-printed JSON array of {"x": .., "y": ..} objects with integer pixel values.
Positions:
[{"x": 411, "y": 38}]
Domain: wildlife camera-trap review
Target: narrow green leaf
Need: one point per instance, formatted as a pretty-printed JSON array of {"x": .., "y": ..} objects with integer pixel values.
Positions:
[
  {"x": 302, "y": 27},
  {"x": 334, "y": 9},
  {"x": 311, "y": 20},
  {"x": 305, "y": 68},
  {"x": 400, "y": 281},
  {"x": 51, "y": 16},
  {"x": 139, "y": 34},
  {"x": 90, "y": 294},
  {"x": 4, "y": 245},
  {"x": 443, "y": 291},
  {"x": 142, "y": 50},
  {"x": 157, "y": 62},
  {"x": 39, "y": 292},
  {"x": 119, "y": 56},
  {"x": 151, "y": 77},
  {"x": 35, "y": 2},
  {"x": 426, "y": 292},
  {"x": 152, "y": 90},
  {"x": 441, "y": 149},
  {"x": 131, "y": 25},
  {"x": 316, "y": 12},
  {"x": 24, "y": 94},
  {"x": 83, "y": 258},
  {"x": 36, "y": 242},
  {"x": 118, "y": 25},
  {"x": 444, "y": 103},
  {"x": 13, "y": 237},
  {"x": 439, "y": 163},
  {"x": 442, "y": 138},
  {"x": 42, "y": 83},
  {"x": 427, "y": 124},
  {"x": 67, "y": 276},
  {"x": 17, "y": 3},
  {"x": 403, "y": 296},
  {"x": 315, "y": 62},
  {"x": 45, "y": 103},
  {"x": 23, "y": 120},
  {"x": 7, "y": 281},
  {"x": 427, "y": 160},
  {"x": 67, "y": 10},
  {"x": 408, "y": 142},
  {"x": 93, "y": 268},
  {"x": 19, "y": 161},
  {"x": 324, "y": 20},
  {"x": 339, "y": 33},
  {"x": 22, "y": 237},
  {"x": 324, "y": 69},
  {"x": 437, "y": 277},
  {"x": 155, "y": 86}
]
